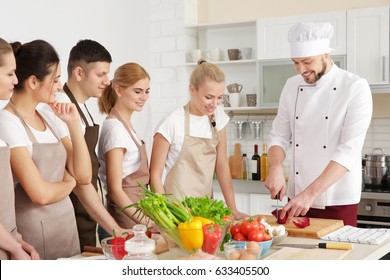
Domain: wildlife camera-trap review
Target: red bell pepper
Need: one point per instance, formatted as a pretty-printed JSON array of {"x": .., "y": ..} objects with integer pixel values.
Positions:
[
  {"x": 212, "y": 234},
  {"x": 276, "y": 213},
  {"x": 118, "y": 247}
]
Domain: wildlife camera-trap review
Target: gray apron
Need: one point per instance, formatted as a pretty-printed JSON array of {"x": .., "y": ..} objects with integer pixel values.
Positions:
[
  {"x": 192, "y": 173},
  {"x": 51, "y": 228},
  {"x": 7, "y": 205},
  {"x": 130, "y": 182}
]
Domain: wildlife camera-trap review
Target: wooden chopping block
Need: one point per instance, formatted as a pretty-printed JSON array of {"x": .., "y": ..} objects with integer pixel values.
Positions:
[
  {"x": 318, "y": 227},
  {"x": 287, "y": 253},
  {"x": 235, "y": 162}
]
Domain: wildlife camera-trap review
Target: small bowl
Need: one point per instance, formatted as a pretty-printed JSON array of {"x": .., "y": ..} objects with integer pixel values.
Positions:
[
  {"x": 108, "y": 248},
  {"x": 239, "y": 251},
  {"x": 265, "y": 245},
  {"x": 279, "y": 238}
]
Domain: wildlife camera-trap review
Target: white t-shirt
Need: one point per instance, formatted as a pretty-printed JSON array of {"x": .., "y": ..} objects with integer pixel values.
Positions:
[
  {"x": 114, "y": 135},
  {"x": 172, "y": 128},
  {"x": 2, "y": 143},
  {"x": 14, "y": 133},
  {"x": 61, "y": 97}
]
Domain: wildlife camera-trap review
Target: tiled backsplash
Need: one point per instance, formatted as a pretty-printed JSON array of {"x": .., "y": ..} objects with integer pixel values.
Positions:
[{"x": 378, "y": 136}]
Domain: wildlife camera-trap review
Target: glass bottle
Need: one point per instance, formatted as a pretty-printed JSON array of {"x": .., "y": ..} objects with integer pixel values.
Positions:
[
  {"x": 264, "y": 163},
  {"x": 140, "y": 247},
  {"x": 245, "y": 168},
  {"x": 254, "y": 166}
]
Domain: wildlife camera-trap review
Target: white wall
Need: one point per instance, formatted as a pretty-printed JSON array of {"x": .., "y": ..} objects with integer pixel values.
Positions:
[{"x": 122, "y": 26}]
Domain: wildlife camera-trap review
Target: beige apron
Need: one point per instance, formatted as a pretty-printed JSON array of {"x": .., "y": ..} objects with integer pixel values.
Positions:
[
  {"x": 130, "y": 182},
  {"x": 7, "y": 195},
  {"x": 51, "y": 228},
  {"x": 192, "y": 173},
  {"x": 86, "y": 225}
]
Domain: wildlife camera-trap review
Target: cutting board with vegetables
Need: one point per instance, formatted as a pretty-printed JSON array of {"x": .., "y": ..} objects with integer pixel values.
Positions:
[
  {"x": 317, "y": 229},
  {"x": 235, "y": 162},
  {"x": 287, "y": 253}
]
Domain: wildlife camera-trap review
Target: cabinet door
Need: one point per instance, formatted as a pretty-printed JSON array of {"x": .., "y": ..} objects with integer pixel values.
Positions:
[
  {"x": 272, "y": 34},
  {"x": 242, "y": 200},
  {"x": 262, "y": 204},
  {"x": 368, "y": 44}
]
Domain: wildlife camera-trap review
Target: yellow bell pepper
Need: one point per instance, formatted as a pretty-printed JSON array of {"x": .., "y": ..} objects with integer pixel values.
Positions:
[
  {"x": 191, "y": 234},
  {"x": 204, "y": 221}
]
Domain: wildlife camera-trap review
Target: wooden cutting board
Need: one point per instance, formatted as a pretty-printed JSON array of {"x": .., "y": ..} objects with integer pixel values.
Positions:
[
  {"x": 287, "y": 253},
  {"x": 317, "y": 229},
  {"x": 235, "y": 162}
]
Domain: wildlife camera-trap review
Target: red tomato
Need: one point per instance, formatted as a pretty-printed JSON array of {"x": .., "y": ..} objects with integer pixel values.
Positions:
[
  {"x": 235, "y": 229},
  {"x": 267, "y": 237},
  {"x": 118, "y": 251},
  {"x": 239, "y": 237},
  {"x": 248, "y": 225},
  {"x": 302, "y": 222},
  {"x": 256, "y": 235}
]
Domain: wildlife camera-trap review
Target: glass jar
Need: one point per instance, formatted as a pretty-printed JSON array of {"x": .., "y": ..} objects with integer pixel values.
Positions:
[{"x": 140, "y": 247}]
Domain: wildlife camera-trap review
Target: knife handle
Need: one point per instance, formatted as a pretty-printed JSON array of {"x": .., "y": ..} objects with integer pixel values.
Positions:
[{"x": 336, "y": 245}]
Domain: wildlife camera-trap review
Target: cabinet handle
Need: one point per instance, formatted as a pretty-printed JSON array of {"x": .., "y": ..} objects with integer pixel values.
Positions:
[{"x": 383, "y": 68}]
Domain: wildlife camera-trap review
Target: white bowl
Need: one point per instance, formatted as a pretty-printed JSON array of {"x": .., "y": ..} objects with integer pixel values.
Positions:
[{"x": 278, "y": 239}]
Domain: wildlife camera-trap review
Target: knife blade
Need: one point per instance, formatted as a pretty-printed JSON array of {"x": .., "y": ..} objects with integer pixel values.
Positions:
[
  {"x": 277, "y": 205},
  {"x": 323, "y": 245}
]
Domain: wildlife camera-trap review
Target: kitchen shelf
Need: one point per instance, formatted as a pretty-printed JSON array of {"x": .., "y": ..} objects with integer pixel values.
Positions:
[
  {"x": 227, "y": 62},
  {"x": 223, "y": 25},
  {"x": 251, "y": 110}
]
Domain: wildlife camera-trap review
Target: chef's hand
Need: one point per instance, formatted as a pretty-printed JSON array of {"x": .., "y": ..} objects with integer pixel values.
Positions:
[
  {"x": 67, "y": 112},
  {"x": 298, "y": 206},
  {"x": 276, "y": 182},
  {"x": 25, "y": 251}
]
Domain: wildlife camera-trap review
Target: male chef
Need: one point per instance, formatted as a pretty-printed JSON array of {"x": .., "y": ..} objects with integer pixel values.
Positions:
[{"x": 325, "y": 112}]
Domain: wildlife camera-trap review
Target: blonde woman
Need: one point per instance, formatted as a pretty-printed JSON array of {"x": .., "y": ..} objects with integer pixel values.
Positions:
[
  {"x": 190, "y": 143},
  {"x": 122, "y": 155}
]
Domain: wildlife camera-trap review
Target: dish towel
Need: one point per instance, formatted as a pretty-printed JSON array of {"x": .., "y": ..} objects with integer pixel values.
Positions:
[{"x": 371, "y": 236}]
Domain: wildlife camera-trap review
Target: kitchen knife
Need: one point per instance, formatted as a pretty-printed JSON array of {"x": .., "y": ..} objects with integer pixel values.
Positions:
[
  {"x": 327, "y": 245},
  {"x": 277, "y": 205}
]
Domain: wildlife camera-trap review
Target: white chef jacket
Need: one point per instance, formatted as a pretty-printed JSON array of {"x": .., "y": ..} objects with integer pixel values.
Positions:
[{"x": 326, "y": 121}]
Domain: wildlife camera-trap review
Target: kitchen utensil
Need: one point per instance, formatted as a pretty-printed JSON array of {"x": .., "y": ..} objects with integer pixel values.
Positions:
[
  {"x": 256, "y": 128},
  {"x": 194, "y": 55},
  {"x": 317, "y": 228},
  {"x": 375, "y": 168},
  {"x": 239, "y": 129},
  {"x": 322, "y": 245},
  {"x": 251, "y": 99},
  {"x": 277, "y": 205},
  {"x": 235, "y": 162},
  {"x": 234, "y": 87},
  {"x": 234, "y": 98},
  {"x": 246, "y": 53},
  {"x": 226, "y": 100}
]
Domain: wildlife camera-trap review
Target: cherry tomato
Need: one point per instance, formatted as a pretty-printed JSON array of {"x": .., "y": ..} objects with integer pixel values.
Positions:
[
  {"x": 248, "y": 225},
  {"x": 239, "y": 237},
  {"x": 235, "y": 229},
  {"x": 302, "y": 222},
  {"x": 118, "y": 248},
  {"x": 256, "y": 235}
]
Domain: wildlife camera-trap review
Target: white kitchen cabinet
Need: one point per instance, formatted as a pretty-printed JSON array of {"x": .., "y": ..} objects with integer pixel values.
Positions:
[
  {"x": 242, "y": 200},
  {"x": 263, "y": 204},
  {"x": 368, "y": 44},
  {"x": 254, "y": 203},
  {"x": 236, "y": 35},
  {"x": 272, "y": 33}
]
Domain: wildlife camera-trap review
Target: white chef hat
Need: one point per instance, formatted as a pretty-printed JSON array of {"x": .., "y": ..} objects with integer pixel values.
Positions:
[{"x": 310, "y": 39}]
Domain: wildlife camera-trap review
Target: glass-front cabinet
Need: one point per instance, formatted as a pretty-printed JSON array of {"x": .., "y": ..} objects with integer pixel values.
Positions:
[{"x": 274, "y": 73}]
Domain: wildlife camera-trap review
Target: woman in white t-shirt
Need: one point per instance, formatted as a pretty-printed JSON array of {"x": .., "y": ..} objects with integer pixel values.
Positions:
[
  {"x": 44, "y": 162},
  {"x": 190, "y": 144},
  {"x": 12, "y": 246},
  {"x": 122, "y": 155}
]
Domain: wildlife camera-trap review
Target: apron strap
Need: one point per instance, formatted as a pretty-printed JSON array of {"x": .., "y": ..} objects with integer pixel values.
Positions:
[
  {"x": 28, "y": 129},
  {"x": 116, "y": 114},
  {"x": 74, "y": 101}
]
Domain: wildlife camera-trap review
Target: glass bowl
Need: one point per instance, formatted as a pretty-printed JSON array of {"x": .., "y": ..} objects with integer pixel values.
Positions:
[
  {"x": 112, "y": 252},
  {"x": 175, "y": 244},
  {"x": 264, "y": 245},
  {"x": 240, "y": 251}
]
